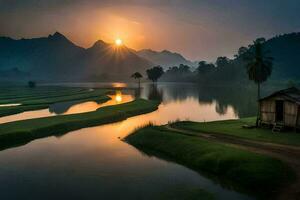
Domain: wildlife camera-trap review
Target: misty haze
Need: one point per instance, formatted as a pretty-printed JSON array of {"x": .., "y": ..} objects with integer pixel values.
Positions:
[{"x": 173, "y": 100}]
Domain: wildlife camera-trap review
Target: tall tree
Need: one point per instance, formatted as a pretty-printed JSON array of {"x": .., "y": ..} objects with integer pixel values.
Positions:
[
  {"x": 204, "y": 67},
  {"x": 222, "y": 61},
  {"x": 184, "y": 68},
  {"x": 155, "y": 73},
  {"x": 242, "y": 51},
  {"x": 31, "y": 84},
  {"x": 259, "y": 67},
  {"x": 138, "y": 76}
]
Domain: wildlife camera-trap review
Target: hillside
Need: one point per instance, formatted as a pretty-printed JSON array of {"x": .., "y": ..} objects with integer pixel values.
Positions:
[
  {"x": 285, "y": 50},
  {"x": 57, "y": 58},
  {"x": 164, "y": 58}
]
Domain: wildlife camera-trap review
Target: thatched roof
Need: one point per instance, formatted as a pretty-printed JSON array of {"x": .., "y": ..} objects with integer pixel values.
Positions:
[{"x": 290, "y": 94}]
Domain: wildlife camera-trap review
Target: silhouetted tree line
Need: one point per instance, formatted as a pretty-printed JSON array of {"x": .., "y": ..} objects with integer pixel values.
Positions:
[
  {"x": 255, "y": 60},
  {"x": 223, "y": 70},
  {"x": 155, "y": 73},
  {"x": 182, "y": 73},
  {"x": 284, "y": 49}
]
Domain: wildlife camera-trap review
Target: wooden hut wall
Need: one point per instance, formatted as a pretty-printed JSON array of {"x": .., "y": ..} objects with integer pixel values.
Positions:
[
  {"x": 267, "y": 108},
  {"x": 290, "y": 113},
  {"x": 298, "y": 117}
]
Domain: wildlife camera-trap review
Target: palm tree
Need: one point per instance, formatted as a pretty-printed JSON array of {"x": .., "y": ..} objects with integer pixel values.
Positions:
[
  {"x": 259, "y": 67},
  {"x": 31, "y": 84},
  {"x": 155, "y": 73},
  {"x": 138, "y": 76}
]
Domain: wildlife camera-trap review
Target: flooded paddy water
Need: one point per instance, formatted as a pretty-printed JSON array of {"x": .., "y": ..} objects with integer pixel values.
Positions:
[{"x": 95, "y": 163}]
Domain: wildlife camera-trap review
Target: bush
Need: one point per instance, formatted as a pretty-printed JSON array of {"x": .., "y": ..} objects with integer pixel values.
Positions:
[{"x": 31, "y": 84}]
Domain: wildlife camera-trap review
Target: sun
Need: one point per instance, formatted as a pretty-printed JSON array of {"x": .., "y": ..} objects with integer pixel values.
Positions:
[{"x": 118, "y": 42}]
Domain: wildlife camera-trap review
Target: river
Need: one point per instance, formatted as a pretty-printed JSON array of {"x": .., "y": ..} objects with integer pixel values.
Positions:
[{"x": 94, "y": 163}]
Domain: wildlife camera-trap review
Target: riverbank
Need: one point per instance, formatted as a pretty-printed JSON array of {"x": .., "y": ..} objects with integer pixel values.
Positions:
[
  {"x": 27, "y": 130},
  {"x": 43, "y": 97},
  {"x": 244, "y": 170},
  {"x": 235, "y": 128}
]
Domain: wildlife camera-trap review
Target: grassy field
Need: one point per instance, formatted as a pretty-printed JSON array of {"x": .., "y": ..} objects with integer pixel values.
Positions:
[
  {"x": 241, "y": 169},
  {"x": 42, "y": 97},
  {"x": 234, "y": 128},
  {"x": 36, "y": 128}
]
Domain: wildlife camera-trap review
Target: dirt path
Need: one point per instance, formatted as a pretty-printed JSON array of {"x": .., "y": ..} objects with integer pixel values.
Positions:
[{"x": 288, "y": 154}]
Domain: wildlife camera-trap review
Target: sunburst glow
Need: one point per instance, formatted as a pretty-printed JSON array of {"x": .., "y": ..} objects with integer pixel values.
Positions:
[{"x": 118, "y": 42}]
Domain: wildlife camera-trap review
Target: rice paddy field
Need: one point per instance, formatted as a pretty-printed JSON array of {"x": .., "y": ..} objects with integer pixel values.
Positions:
[{"x": 15, "y": 100}]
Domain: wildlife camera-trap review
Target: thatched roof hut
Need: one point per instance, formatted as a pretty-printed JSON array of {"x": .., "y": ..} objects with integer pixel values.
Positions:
[{"x": 281, "y": 107}]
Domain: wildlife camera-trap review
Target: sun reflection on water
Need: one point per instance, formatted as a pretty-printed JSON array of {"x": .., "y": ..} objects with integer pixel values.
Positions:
[
  {"x": 119, "y": 85},
  {"x": 88, "y": 106},
  {"x": 118, "y": 96}
]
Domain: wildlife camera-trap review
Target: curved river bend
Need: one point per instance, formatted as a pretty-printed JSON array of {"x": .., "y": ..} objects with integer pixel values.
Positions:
[
  {"x": 93, "y": 163},
  {"x": 67, "y": 108}
]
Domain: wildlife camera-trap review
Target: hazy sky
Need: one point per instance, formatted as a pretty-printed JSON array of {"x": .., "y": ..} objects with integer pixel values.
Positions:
[{"x": 198, "y": 29}]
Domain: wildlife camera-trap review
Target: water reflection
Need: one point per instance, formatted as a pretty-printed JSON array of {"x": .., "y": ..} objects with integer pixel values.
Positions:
[
  {"x": 189, "y": 109},
  {"x": 241, "y": 99},
  {"x": 119, "y": 85},
  {"x": 10, "y": 105},
  {"x": 75, "y": 107},
  {"x": 228, "y": 102},
  {"x": 93, "y": 163},
  {"x": 67, "y": 108},
  {"x": 155, "y": 93},
  {"x": 114, "y": 85},
  {"x": 118, "y": 97}
]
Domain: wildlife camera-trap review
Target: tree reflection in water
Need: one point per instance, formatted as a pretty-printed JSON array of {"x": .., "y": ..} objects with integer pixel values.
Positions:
[
  {"x": 242, "y": 99},
  {"x": 155, "y": 93}
]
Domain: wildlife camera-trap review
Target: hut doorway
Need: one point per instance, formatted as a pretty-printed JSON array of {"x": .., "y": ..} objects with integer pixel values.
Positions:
[{"x": 279, "y": 111}]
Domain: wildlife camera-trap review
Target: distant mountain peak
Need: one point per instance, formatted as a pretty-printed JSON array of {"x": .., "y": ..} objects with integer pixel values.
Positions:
[
  {"x": 99, "y": 43},
  {"x": 172, "y": 53},
  {"x": 164, "y": 58},
  {"x": 55, "y": 57},
  {"x": 165, "y": 51},
  {"x": 57, "y": 36},
  {"x": 147, "y": 50}
]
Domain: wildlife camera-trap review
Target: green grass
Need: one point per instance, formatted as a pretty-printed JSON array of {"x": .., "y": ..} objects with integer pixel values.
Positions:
[
  {"x": 234, "y": 128},
  {"x": 15, "y": 132},
  {"x": 19, "y": 94},
  {"x": 239, "y": 168},
  {"x": 42, "y": 97}
]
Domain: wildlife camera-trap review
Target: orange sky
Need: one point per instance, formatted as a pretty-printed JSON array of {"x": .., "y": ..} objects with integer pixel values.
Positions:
[
  {"x": 198, "y": 29},
  {"x": 136, "y": 32}
]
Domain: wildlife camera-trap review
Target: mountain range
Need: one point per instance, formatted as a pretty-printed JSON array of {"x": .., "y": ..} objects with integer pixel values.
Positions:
[
  {"x": 284, "y": 49},
  {"x": 164, "y": 58},
  {"x": 55, "y": 58}
]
